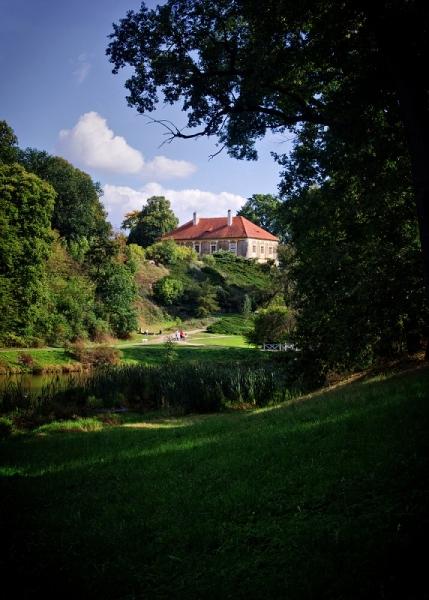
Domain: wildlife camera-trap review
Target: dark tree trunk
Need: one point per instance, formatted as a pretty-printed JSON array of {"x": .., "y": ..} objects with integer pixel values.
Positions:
[
  {"x": 416, "y": 122},
  {"x": 401, "y": 35}
]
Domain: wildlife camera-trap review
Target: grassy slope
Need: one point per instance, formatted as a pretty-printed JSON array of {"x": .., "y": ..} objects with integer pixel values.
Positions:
[{"x": 323, "y": 498}]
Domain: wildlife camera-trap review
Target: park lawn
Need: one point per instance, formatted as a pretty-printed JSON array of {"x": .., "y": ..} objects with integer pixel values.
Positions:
[
  {"x": 201, "y": 346},
  {"x": 42, "y": 356},
  {"x": 155, "y": 354},
  {"x": 325, "y": 497},
  {"x": 218, "y": 339}
]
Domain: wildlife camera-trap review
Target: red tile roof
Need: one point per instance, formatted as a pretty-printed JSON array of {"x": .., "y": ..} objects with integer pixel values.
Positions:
[{"x": 216, "y": 228}]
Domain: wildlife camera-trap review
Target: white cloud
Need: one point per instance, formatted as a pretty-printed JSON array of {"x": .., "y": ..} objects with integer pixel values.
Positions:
[
  {"x": 92, "y": 144},
  {"x": 161, "y": 167},
  {"x": 120, "y": 200}
]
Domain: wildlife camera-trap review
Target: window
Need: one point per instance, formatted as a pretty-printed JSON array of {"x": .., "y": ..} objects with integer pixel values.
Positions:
[
  {"x": 262, "y": 249},
  {"x": 197, "y": 248},
  {"x": 213, "y": 247},
  {"x": 233, "y": 247},
  {"x": 270, "y": 250},
  {"x": 254, "y": 248}
]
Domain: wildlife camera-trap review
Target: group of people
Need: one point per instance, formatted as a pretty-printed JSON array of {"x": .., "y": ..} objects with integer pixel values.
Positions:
[{"x": 180, "y": 335}]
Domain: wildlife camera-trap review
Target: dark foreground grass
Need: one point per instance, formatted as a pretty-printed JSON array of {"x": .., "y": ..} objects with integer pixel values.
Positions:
[{"x": 323, "y": 498}]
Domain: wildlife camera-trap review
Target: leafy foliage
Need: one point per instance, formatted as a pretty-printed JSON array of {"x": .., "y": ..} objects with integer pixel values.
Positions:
[
  {"x": 358, "y": 284},
  {"x": 168, "y": 290},
  {"x": 78, "y": 215},
  {"x": 26, "y": 205},
  {"x": 231, "y": 325},
  {"x": 148, "y": 225},
  {"x": 273, "y": 325},
  {"x": 116, "y": 290},
  {"x": 263, "y": 210},
  {"x": 168, "y": 252},
  {"x": 9, "y": 150}
]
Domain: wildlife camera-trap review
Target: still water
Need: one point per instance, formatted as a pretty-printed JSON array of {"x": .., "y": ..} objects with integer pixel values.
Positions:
[{"x": 35, "y": 383}]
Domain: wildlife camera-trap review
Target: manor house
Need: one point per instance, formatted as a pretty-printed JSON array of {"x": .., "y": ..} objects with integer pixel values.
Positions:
[{"x": 234, "y": 234}]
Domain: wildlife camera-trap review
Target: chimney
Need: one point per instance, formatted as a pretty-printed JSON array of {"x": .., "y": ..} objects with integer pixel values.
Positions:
[
  {"x": 195, "y": 219},
  {"x": 229, "y": 219}
]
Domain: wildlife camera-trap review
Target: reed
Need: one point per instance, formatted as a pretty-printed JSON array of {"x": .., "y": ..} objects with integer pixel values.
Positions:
[{"x": 180, "y": 387}]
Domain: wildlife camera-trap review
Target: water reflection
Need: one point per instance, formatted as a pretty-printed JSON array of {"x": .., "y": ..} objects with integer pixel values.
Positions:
[{"x": 35, "y": 383}]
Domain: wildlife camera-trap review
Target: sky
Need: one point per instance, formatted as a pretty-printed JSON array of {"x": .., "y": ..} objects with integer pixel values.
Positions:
[{"x": 58, "y": 93}]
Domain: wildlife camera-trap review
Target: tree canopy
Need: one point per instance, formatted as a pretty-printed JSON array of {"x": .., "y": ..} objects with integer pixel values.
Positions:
[
  {"x": 8, "y": 144},
  {"x": 62, "y": 284},
  {"x": 26, "y": 204},
  {"x": 78, "y": 212},
  {"x": 263, "y": 210},
  {"x": 148, "y": 225},
  {"x": 241, "y": 68}
]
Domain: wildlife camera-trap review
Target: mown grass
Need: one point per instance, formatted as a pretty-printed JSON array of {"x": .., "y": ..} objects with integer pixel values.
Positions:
[
  {"x": 209, "y": 339},
  {"x": 217, "y": 352},
  {"x": 135, "y": 351},
  {"x": 325, "y": 497}
]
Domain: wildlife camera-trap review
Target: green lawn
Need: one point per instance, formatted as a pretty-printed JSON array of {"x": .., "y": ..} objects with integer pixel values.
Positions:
[
  {"x": 217, "y": 339},
  {"x": 42, "y": 356},
  {"x": 155, "y": 354},
  {"x": 199, "y": 346},
  {"x": 325, "y": 497}
]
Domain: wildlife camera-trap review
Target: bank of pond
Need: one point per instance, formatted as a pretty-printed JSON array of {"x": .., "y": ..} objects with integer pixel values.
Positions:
[{"x": 179, "y": 387}]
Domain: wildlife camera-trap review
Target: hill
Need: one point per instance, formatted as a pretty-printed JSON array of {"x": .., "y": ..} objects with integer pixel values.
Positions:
[{"x": 191, "y": 288}]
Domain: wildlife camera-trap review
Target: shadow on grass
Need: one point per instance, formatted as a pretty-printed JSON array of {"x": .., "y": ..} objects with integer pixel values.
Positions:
[{"x": 320, "y": 499}]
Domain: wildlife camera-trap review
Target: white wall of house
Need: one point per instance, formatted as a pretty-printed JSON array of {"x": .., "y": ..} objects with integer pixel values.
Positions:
[{"x": 260, "y": 250}]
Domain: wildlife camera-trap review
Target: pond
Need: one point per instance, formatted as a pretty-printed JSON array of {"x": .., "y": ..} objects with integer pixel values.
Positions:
[{"x": 34, "y": 383}]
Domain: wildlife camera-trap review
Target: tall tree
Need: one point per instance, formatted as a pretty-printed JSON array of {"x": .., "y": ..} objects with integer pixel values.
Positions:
[
  {"x": 8, "y": 144},
  {"x": 263, "y": 209},
  {"x": 154, "y": 220},
  {"x": 356, "y": 265},
  {"x": 26, "y": 204},
  {"x": 78, "y": 212},
  {"x": 244, "y": 67}
]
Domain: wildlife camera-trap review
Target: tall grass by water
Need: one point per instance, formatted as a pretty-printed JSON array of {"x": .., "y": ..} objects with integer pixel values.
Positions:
[{"x": 179, "y": 387}]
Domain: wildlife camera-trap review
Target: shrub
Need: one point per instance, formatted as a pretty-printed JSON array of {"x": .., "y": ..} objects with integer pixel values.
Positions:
[
  {"x": 105, "y": 355},
  {"x": 186, "y": 254},
  {"x": 165, "y": 252},
  {"x": 25, "y": 359},
  {"x": 97, "y": 357},
  {"x": 35, "y": 342},
  {"x": 6, "y": 428},
  {"x": 271, "y": 325},
  {"x": 10, "y": 340},
  {"x": 168, "y": 290}
]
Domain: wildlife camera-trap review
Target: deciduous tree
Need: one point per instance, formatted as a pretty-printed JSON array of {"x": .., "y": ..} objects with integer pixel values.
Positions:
[
  {"x": 263, "y": 209},
  {"x": 154, "y": 220},
  {"x": 242, "y": 68}
]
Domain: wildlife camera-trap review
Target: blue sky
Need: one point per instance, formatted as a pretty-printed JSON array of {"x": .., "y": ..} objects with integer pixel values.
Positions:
[{"x": 58, "y": 94}]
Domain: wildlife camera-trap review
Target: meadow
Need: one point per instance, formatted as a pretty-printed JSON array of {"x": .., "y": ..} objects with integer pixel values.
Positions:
[
  {"x": 199, "y": 346},
  {"x": 324, "y": 496}
]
